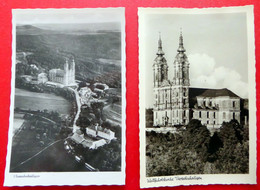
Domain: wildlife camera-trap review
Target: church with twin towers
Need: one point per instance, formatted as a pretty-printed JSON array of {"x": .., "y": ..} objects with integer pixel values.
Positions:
[{"x": 176, "y": 103}]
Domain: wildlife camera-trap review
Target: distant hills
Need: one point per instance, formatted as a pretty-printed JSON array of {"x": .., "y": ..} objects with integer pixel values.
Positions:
[
  {"x": 76, "y": 29},
  {"x": 50, "y": 44},
  {"x": 32, "y": 30}
]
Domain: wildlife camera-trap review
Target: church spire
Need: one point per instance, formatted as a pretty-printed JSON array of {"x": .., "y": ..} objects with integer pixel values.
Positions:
[
  {"x": 181, "y": 48},
  {"x": 160, "y": 51}
]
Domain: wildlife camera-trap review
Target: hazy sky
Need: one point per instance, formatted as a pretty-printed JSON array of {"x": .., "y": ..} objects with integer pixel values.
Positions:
[
  {"x": 61, "y": 16},
  {"x": 216, "y": 46}
]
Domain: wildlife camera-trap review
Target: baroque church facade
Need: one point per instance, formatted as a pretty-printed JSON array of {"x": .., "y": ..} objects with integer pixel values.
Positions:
[
  {"x": 66, "y": 76},
  {"x": 176, "y": 103}
]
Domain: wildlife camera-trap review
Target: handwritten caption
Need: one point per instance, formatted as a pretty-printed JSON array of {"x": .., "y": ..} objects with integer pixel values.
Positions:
[
  {"x": 26, "y": 176},
  {"x": 177, "y": 178}
]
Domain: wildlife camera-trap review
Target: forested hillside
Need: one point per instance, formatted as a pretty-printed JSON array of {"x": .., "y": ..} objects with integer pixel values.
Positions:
[
  {"x": 195, "y": 151},
  {"x": 49, "y": 48}
]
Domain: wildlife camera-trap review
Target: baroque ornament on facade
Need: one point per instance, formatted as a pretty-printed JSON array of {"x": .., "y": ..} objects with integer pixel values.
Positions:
[{"x": 176, "y": 103}]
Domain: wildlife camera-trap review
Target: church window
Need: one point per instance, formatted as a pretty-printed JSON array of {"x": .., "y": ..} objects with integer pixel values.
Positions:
[
  {"x": 234, "y": 104},
  {"x": 162, "y": 98},
  {"x": 214, "y": 122},
  {"x": 199, "y": 114},
  {"x": 207, "y": 121},
  {"x": 207, "y": 114},
  {"x": 156, "y": 115},
  {"x": 214, "y": 114},
  {"x": 184, "y": 113},
  {"x": 191, "y": 113},
  {"x": 234, "y": 116},
  {"x": 177, "y": 113}
]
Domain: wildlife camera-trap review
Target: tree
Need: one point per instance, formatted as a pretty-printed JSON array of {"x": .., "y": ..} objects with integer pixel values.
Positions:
[
  {"x": 233, "y": 157},
  {"x": 97, "y": 108},
  {"x": 197, "y": 137},
  {"x": 215, "y": 144},
  {"x": 231, "y": 133}
]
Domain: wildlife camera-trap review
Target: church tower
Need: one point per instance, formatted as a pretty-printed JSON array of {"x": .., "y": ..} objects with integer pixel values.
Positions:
[
  {"x": 69, "y": 72},
  {"x": 66, "y": 72},
  {"x": 160, "y": 67},
  {"x": 180, "y": 86},
  {"x": 162, "y": 89},
  {"x": 72, "y": 71}
]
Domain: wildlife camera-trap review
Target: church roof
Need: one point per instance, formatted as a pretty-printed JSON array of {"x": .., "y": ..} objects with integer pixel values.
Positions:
[
  {"x": 206, "y": 92},
  {"x": 57, "y": 72}
]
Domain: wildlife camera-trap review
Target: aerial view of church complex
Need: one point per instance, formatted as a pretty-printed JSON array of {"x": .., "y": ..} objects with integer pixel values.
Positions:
[
  {"x": 176, "y": 103},
  {"x": 65, "y": 106},
  {"x": 66, "y": 76}
]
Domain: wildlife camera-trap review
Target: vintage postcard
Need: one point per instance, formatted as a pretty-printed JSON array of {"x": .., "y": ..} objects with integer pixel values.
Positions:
[
  {"x": 67, "y": 114},
  {"x": 197, "y": 96}
]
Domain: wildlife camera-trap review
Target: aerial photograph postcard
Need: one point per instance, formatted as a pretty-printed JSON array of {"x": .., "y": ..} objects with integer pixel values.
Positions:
[
  {"x": 67, "y": 113},
  {"x": 197, "y": 96}
]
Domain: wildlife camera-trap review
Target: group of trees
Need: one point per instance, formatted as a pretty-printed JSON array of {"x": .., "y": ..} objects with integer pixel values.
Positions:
[
  {"x": 196, "y": 151},
  {"x": 105, "y": 158},
  {"x": 111, "y": 77},
  {"x": 40, "y": 129},
  {"x": 25, "y": 69},
  {"x": 90, "y": 115},
  {"x": 55, "y": 127}
]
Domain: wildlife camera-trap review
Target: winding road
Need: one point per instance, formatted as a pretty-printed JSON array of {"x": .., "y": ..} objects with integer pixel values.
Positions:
[{"x": 75, "y": 127}]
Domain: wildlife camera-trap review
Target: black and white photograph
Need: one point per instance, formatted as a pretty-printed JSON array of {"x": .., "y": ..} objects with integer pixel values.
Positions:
[
  {"x": 67, "y": 115},
  {"x": 197, "y": 96}
]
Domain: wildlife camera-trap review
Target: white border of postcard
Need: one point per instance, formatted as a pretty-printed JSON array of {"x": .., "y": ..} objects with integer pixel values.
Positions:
[
  {"x": 146, "y": 182},
  {"x": 66, "y": 178}
]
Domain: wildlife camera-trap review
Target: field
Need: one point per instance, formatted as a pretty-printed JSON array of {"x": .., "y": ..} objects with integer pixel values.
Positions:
[{"x": 40, "y": 101}]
